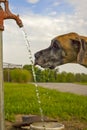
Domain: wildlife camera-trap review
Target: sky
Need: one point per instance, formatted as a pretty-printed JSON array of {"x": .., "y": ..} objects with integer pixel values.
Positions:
[{"x": 42, "y": 20}]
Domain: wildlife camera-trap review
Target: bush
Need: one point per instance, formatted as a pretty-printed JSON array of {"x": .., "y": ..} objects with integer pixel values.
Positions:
[
  {"x": 6, "y": 75},
  {"x": 18, "y": 75}
]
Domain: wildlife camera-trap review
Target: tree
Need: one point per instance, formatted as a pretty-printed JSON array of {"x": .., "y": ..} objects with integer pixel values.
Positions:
[
  {"x": 78, "y": 77},
  {"x": 70, "y": 77}
]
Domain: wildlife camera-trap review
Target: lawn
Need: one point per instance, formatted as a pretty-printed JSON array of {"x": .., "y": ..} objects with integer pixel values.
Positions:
[
  {"x": 22, "y": 99},
  {"x": 82, "y": 83}
]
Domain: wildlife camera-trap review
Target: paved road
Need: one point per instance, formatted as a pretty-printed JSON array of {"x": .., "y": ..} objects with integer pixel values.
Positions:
[{"x": 66, "y": 87}]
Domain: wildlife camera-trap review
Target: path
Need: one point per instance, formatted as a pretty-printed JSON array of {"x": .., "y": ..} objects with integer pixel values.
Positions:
[{"x": 66, "y": 87}]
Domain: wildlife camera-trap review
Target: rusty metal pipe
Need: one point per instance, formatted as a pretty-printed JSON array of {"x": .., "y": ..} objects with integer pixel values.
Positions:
[
  {"x": 15, "y": 17},
  {"x": 6, "y": 14},
  {"x": 1, "y": 85}
]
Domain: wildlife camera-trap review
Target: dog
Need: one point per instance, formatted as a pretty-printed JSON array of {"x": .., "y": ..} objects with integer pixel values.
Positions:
[{"x": 67, "y": 48}]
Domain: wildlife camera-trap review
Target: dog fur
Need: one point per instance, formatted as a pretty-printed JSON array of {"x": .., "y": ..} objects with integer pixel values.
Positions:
[{"x": 67, "y": 48}]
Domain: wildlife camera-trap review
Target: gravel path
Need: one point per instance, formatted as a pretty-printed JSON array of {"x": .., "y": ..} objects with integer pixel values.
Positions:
[{"x": 66, "y": 87}]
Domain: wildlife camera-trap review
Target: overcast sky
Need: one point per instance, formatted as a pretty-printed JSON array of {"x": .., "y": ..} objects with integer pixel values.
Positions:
[{"x": 43, "y": 20}]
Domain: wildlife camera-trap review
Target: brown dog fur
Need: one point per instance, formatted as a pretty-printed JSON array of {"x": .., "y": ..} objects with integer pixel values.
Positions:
[
  {"x": 65, "y": 40},
  {"x": 73, "y": 50}
]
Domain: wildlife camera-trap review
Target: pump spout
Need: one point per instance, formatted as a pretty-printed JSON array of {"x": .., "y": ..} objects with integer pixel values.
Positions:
[
  {"x": 6, "y": 14},
  {"x": 9, "y": 15},
  {"x": 18, "y": 21},
  {"x": 15, "y": 17}
]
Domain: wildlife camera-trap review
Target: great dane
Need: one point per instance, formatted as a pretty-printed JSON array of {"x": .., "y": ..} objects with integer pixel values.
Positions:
[{"x": 67, "y": 48}]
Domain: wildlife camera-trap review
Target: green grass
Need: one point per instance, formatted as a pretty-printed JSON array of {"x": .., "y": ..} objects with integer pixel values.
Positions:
[
  {"x": 82, "y": 83},
  {"x": 21, "y": 99}
]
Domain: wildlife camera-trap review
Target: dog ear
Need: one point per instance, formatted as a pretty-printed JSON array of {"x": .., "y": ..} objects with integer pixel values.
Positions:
[
  {"x": 76, "y": 44},
  {"x": 80, "y": 46},
  {"x": 81, "y": 53}
]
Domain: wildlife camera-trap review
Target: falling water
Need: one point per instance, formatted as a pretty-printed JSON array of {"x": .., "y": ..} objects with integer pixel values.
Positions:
[{"x": 34, "y": 75}]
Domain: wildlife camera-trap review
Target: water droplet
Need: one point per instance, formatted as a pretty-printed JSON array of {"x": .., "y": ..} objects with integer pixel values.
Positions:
[{"x": 33, "y": 71}]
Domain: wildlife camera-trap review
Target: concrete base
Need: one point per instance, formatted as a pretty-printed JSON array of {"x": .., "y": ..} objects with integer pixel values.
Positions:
[{"x": 46, "y": 126}]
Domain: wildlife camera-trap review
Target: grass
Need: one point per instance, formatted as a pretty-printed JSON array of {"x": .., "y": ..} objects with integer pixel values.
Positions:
[
  {"x": 21, "y": 99},
  {"x": 84, "y": 83}
]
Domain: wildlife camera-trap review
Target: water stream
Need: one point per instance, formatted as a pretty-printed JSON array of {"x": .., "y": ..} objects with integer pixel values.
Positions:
[{"x": 34, "y": 75}]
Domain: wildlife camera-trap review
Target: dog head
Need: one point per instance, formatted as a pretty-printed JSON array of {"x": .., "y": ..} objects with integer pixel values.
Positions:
[
  {"x": 63, "y": 49},
  {"x": 50, "y": 57}
]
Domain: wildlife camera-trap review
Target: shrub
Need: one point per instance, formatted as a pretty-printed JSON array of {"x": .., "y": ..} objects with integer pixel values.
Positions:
[
  {"x": 6, "y": 75},
  {"x": 18, "y": 75}
]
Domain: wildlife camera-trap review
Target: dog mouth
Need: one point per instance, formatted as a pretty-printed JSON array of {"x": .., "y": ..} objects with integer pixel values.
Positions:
[
  {"x": 51, "y": 67},
  {"x": 47, "y": 66},
  {"x": 44, "y": 65}
]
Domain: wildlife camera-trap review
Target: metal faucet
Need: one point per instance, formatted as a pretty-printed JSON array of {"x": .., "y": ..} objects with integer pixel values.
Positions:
[{"x": 6, "y": 14}]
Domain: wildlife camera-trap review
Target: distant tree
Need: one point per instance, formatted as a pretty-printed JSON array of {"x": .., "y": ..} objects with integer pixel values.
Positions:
[
  {"x": 78, "y": 77},
  {"x": 83, "y": 77},
  {"x": 70, "y": 77},
  {"x": 6, "y": 78},
  {"x": 37, "y": 71},
  {"x": 28, "y": 67},
  {"x": 61, "y": 77},
  {"x": 47, "y": 75}
]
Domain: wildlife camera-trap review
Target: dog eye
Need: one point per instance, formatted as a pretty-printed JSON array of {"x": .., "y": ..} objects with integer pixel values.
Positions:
[{"x": 55, "y": 46}]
